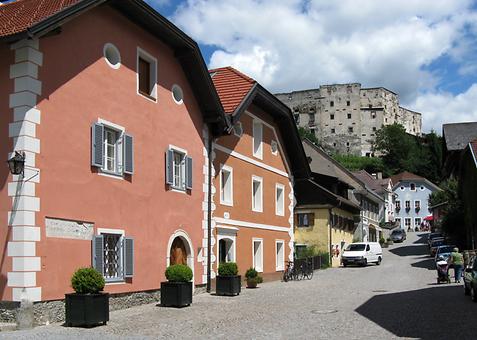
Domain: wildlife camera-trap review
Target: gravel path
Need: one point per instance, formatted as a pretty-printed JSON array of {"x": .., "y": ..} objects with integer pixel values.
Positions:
[{"x": 397, "y": 299}]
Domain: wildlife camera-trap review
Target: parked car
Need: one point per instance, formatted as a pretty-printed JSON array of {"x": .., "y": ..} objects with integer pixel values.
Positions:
[
  {"x": 398, "y": 235},
  {"x": 432, "y": 236},
  {"x": 444, "y": 251},
  {"x": 436, "y": 243},
  {"x": 470, "y": 279},
  {"x": 362, "y": 253}
]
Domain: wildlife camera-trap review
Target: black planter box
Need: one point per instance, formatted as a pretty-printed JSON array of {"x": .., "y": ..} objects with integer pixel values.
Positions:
[
  {"x": 228, "y": 285},
  {"x": 176, "y": 294},
  {"x": 86, "y": 309}
]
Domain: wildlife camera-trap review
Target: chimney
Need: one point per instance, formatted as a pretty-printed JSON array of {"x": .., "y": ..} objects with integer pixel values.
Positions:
[{"x": 379, "y": 175}]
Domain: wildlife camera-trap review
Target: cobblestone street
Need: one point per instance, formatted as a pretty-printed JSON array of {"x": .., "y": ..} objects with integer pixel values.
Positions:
[{"x": 397, "y": 299}]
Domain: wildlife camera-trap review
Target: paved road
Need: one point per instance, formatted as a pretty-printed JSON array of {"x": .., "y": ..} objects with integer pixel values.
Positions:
[{"x": 397, "y": 299}]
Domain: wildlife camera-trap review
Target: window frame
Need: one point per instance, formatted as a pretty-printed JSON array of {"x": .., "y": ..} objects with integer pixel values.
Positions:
[
  {"x": 121, "y": 234},
  {"x": 417, "y": 204},
  {"x": 411, "y": 185},
  {"x": 119, "y": 149},
  {"x": 260, "y": 180},
  {"x": 279, "y": 186},
  {"x": 152, "y": 74},
  {"x": 223, "y": 200},
  {"x": 279, "y": 265},
  {"x": 254, "y": 264},
  {"x": 257, "y": 150},
  {"x": 182, "y": 166}
]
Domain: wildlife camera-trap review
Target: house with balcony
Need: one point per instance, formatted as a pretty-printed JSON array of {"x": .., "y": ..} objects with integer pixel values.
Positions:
[
  {"x": 412, "y": 199},
  {"x": 112, "y": 109},
  {"x": 256, "y": 166}
]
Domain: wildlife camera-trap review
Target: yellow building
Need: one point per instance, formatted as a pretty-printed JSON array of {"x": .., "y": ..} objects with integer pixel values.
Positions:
[{"x": 327, "y": 222}]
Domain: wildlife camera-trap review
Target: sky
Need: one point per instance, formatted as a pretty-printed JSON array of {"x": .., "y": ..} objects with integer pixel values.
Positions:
[{"x": 424, "y": 50}]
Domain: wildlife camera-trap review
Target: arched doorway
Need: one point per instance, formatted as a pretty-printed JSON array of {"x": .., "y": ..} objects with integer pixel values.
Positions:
[{"x": 178, "y": 252}]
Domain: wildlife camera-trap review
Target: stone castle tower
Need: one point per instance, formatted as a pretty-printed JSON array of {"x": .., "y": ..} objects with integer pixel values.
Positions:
[{"x": 345, "y": 117}]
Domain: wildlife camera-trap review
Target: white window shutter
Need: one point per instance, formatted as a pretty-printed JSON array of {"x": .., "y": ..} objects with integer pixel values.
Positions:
[{"x": 97, "y": 132}]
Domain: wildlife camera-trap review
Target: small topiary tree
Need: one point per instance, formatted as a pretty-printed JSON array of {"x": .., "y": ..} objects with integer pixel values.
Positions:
[
  {"x": 179, "y": 273},
  {"x": 228, "y": 269},
  {"x": 87, "y": 281},
  {"x": 251, "y": 273}
]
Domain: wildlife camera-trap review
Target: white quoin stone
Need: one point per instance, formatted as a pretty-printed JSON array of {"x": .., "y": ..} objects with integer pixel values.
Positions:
[
  {"x": 24, "y": 128},
  {"x": 26, "y": 264},
  {"x": 26, "y": 233},
  {"x": 19, "y": 249},
  {"x": 33, "y": 43},
  {"x": 29, "y": 293},
  {"x": 27, "y": 84},
  {"x": 24, "y": 69},
  {"x": 24, "y": 98},
  {"x": 21, "y": 279},
  {"x": 28, "y": 53},
  {"x": 19, "y": 218},
  {"x": 21, "y": 189},
  {"x": 26, "y": 113}
]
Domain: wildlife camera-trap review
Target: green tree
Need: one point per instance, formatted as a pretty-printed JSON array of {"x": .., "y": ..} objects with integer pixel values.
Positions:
[
  {"x": 453, "y": 221},
  {"x": 404, "y": 152},
  {"x": 354, "y": 163},
  {"x": 306, "y": 133}
]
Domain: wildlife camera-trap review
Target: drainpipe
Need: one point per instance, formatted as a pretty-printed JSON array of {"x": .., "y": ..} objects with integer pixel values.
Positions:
[{"x": 209, "y": 211}]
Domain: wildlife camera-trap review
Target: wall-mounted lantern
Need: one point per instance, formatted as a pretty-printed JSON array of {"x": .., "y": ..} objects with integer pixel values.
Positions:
[{"x": 16, "y": 164}]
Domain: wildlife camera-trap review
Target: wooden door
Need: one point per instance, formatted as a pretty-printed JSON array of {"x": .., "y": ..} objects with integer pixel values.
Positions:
[{"x": 178, "y": 252}]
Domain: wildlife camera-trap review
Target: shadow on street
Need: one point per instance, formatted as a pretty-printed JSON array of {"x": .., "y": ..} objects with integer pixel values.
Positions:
[
  {"x": 410, "y": 250},
  {"x": 440, "y": 312},
  {"x": 426, "y": 263},
  {"x": 422, "y": 238}
]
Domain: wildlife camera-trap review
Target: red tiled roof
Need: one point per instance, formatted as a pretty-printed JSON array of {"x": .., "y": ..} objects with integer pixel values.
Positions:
[
  {"x": 405, "y": 176},
  {"x": 17, "y": 16},
  {"x": 232, "y": 87}
]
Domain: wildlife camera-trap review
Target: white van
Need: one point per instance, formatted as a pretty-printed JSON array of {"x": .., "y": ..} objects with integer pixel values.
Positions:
[{"x": 362, "y": 253}]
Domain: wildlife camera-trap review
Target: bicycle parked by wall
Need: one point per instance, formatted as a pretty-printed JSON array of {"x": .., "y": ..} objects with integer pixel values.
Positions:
[{"x": 298, "y": 270}]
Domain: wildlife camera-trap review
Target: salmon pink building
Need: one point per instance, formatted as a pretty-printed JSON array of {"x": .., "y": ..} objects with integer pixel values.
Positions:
[
  {"x": 255, "y": 165},
  {"x": 113, "y": 108}
]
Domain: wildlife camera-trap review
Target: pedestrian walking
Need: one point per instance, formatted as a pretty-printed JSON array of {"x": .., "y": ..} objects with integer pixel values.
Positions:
[{"x": 457, "y": 260}]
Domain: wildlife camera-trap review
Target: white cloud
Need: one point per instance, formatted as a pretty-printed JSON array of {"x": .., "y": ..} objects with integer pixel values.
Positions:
[
  {"x": 292, "y": 44},
  {"x": 442, "y": 107}
]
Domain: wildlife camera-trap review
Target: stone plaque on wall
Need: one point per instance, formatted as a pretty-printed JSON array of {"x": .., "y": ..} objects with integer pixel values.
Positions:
[{"x": 68, "y": 229}]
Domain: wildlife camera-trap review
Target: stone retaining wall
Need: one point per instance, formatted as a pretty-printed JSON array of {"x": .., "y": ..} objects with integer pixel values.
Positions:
[{"x": 47, "y": 312}]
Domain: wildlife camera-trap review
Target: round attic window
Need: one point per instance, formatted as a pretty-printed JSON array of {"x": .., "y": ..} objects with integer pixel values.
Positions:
[
  {"x": 177, "y": 94},
  {"x": 112, "y": 55}
]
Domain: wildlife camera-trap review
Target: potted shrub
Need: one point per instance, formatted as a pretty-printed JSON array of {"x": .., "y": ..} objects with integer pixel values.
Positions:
[
  {"x": 382, "y": 242},
  {"x": 177, "y": 291},
  {"x": 88, "y": 306},
  {"x": 253, "y": 278},
  {"x": 228, "y": 282}
]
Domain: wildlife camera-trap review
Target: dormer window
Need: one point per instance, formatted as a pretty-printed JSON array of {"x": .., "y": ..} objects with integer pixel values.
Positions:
[{"x": 412, "y": 187}]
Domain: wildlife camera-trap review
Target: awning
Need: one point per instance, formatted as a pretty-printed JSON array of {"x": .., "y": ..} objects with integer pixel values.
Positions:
[{"x": 429, "y": 218}]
